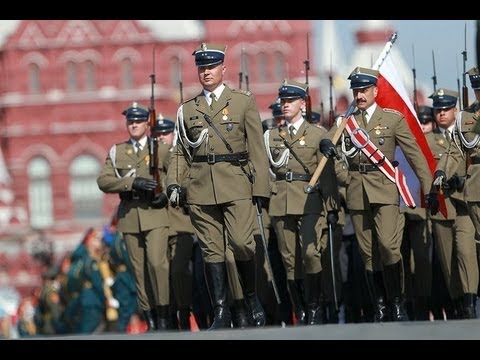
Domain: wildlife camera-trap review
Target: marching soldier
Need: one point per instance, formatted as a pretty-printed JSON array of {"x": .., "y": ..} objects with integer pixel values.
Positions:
[
  {"x": 299, "y": 218},
  {"x": 221, "y": 145},
  {"x": 455, "y": 236},
  {"x": 141, "y": 219},
  {"x": 371, "y": 196}
]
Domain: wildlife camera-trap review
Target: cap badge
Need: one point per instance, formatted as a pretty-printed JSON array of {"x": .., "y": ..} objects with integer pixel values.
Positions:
[
  {"x": 204, "y": 46},
  {"x": 441, "y": 92}
]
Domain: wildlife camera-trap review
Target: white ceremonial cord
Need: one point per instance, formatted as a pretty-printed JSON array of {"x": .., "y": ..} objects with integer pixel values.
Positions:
[
  {"x": 465, "y": 142},
  {"x": 183, "y": 133},
  {"x": 283, "y": 160}
]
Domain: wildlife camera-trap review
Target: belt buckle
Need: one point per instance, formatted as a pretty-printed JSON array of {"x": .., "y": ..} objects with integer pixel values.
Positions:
[
  {"x": 211, "y": 158},
  {"x": 289, "y": 176},
  {"x": 362, "y": 168}
]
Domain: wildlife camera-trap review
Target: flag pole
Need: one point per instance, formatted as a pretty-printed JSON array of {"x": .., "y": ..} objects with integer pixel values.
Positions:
[{"x": 351, "y": 109}]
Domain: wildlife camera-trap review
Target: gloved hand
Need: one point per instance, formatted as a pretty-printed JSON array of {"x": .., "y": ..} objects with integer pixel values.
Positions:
[
  {"x": 140, "y": 183},
  {"x": 328, "y": 149},
  {"x": 262, "y": 201},
  {"x": 159, "y": 201},
  {"x": 432, "y": 203},
  {"x": 332, "y": 218},
  {"x": 177, "y": 195},
  {"x": 439, "y": 178},
  {"x": 113, "y": 303}
]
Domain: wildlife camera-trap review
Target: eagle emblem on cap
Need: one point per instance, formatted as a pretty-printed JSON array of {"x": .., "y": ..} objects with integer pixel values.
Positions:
[
  {"x": 440, "y": 92},
  {"x": 134, "y": 105},
  {"x": 204, "y": 46}
]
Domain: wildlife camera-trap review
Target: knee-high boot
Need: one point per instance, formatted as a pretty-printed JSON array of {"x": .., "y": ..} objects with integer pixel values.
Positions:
[
  {"x": 393, "y": 284},
  {"x": 216, "y": 278},
  {"x": 149, "y": 316},
  {"x": 377, "y": 295},
  {"x": 313, "y": 289},
  {"x": 297, "y": 297},
  {"x": 247, "y": 272}
]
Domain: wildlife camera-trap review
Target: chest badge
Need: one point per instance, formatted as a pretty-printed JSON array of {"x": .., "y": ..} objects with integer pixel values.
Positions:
[{"x": 229, "y": 125}]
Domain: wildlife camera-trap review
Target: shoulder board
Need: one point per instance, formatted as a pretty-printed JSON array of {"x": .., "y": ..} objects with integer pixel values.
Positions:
[
  {"x": 393, "y": 111},
  {"x": 244, "y": 92}
]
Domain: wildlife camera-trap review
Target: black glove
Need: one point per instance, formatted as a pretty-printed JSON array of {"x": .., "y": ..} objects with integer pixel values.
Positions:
[
  {"x": 332, "y": 218},
  {"x": 432, "y": 203},
  {"x": 439, "y": 178},
  {"x": 262, "y": 201},
  {"x": 160, "y": 201},
  {"x": 328, "y": 149},
  {"x": 180, "y": 197},
  {"x": 140, "y": 183}
]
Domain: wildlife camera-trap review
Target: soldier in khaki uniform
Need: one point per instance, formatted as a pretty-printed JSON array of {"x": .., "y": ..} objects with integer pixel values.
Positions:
[
  {"x": 220, "y": 134},
  {"x": 373, "y": 199},
  {"x": 142, "y": 216},
  {"x": 454, "y": 236},
  {"x": 299, "y": 218}
]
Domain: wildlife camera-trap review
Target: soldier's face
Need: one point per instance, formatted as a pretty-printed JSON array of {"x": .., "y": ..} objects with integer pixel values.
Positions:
[
  {"x": 166, "y": 138},
  {"x": 137, "y": 129},
  {"x": 211, "y": 76},
  {"x": 292, "y": 108},
  {"x": 364, "y": 98},
  {"x": 445, "y": 117}
]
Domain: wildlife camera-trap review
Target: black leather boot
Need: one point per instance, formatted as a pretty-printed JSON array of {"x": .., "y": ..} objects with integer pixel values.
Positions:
[
  {"x": 247, "y": 273},
  {"x": 422, "y": 307},
  {"x": 393, "y": 284},
  {"x": 184, "y": 318},
  {"x": 162, "y": 317},
  {"x": 239, "y": 314},
  {"x": 297, "y": 297},
  {"x": 469, "y": 301},
  {"x": 150, "y": 320},
  {"x": 217, "y": 283},
  {"x": 377, "y": 295},
  {"x": 312, "y": 291}
]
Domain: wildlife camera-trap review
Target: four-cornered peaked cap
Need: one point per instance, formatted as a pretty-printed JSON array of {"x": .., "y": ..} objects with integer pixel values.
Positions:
[
  {"x": 164, "y": 126},
  {"x": 425, "y": 114},
  {"x": 292, "y": 90},
  {"x": 316, "y": 116},
  {"x": 362, "y": 78},
  {"x": 209, "y": 54},
  {"x": 276, "y": 109},
  {"x": 474, "y": 75},
  {"x": 136, "y": 112},
  {"x": 444, "y": 99}
]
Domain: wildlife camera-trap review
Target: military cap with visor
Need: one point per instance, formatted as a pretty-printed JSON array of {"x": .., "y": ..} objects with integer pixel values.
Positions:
[
  {"x": 316, "y": 116},
  {"x": 209, "y": 54},
  {"x": 163, "y": 125},
  {"x": 276, "y": 108},
  {"x": 474, "y": 74},
  {"x": 292, "y": 90},
  {"x": 136, "y": 112},
  {"x": 444, "y": 99},
  {"x": 425, "y": 114},
  {"x": 362, "y": 78}
]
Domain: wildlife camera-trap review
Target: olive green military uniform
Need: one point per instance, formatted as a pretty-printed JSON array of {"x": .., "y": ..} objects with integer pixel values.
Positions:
[{"x": 144, "y": 228}]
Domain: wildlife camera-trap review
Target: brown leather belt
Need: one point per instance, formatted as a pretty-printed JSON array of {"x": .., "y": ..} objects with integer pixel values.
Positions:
[
  {"x": 291, "y": 176},
  {"x": 362, "y": 168},
  {"x": 214, "y": 158}
]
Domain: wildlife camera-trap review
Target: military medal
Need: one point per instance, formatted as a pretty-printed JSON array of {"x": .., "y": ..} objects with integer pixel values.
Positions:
[
  {"x": 225, "y": 116},
  {"x": 129, "y": 151},
  {"x": 147, "y": 159},
  {"x": 378, "y": 132},
  {"x": 440, "y": 141},
  {"x": 302, "y": 140},
  {"x": 283, "y": 134}
]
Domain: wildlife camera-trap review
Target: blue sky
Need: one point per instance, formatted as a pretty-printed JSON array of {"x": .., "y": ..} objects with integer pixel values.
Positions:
[{"x": 445, "y": 37}]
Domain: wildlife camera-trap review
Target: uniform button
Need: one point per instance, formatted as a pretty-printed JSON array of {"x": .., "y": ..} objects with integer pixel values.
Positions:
[
  {"x": 210, "y": 135},
  {"x": 129, "y": 166},
  {"x": 212, "y": 148}
]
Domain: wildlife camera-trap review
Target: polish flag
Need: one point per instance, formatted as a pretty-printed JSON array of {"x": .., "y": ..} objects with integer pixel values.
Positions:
[{"x": 392, "y": 94}]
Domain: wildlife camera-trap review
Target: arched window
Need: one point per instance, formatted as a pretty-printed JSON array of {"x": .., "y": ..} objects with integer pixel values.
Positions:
[
  {"x": 40, "y": 193},
  {"x": 175, "y": 71},
  {"x": 90, "y": 76},
  {"x": 262, "y": 67},
  {"x": 127, "y": 81},
  {"x": 279, "y": 66},
  {"x": 72, "y": 74},
  {"x": 34, "y": 83},
  {"x": 84, "y": 193}
]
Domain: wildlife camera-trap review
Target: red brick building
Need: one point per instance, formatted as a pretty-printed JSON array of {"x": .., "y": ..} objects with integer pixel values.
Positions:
[{"x": 64, "y": 84}]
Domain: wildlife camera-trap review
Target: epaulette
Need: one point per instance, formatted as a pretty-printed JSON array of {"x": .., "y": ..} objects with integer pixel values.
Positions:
[
  {"x": 473, "y": 107},
  {"x": 244, "y": 92},
  {"x": 393, "y": 111}
]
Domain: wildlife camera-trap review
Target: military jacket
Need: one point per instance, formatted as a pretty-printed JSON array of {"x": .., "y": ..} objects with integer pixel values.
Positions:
[
  {"x": 386, "y": 128},
  {"x": 289, "y": 197},
  {"x": 459, "y": 157},
  {"x": 236, "y": 117},
  {"x": 134, "y": 215}
]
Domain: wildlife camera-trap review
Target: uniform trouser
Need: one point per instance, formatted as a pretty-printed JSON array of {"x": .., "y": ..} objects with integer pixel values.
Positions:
[
  {"x": 148, "y": 251},
  {"x": 327, "y": 280},
  {"x": 456, "y": 249},
  {"x": 300, "y": 243},
  {"x": 419, "y": 235},
  {"x": 474, "y": 212},
  {"x": 379, "y": 231},
  {"x": 233, "y": 219},
  {"x": 181, "y": 246}
]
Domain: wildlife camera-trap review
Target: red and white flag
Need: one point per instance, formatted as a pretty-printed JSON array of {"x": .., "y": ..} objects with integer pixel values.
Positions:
[{"x": 392, "y": 94}]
